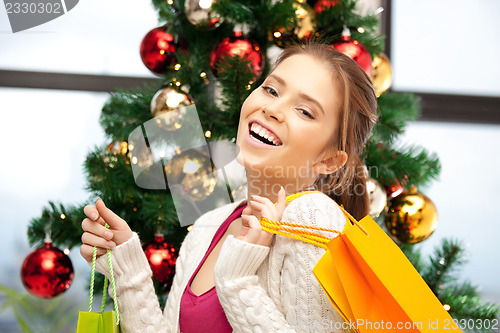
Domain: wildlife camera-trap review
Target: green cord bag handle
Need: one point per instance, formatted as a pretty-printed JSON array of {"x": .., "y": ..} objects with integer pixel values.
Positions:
[{"x": 102, "y": 322}]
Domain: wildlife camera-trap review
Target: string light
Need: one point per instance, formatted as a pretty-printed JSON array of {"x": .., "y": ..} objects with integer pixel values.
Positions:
[
  {"x": 361, "y": 30},
  {"x": 277, "y": 34},
  {"x": 208, "y": 134},
  {"x": 446, "y": 307},
  {"x": 63, "y": 216},
  {"x": 203, "y": 74},
  {"x": 177, "y": 67}
]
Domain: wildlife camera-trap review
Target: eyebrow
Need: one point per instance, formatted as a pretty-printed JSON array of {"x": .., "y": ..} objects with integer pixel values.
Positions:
[{"x": 302, "y": 95}]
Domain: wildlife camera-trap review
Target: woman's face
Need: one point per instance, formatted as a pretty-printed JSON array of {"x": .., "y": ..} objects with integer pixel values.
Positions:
[{"x": 286, "y": 123}]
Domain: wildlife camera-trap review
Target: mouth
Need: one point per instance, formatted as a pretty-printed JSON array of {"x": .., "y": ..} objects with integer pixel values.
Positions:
[{"x": 263, "y": 134}]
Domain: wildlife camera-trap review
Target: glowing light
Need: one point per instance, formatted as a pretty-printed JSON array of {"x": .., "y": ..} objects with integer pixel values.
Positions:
[
  {"x": 248, "y": 87},
  {"x": 170, "y": 2},
  {"x": 277, "y": 34},
  {"x": 177, "y": 67},
  {"x": 63, "y": 216},
  {"x": 162, "y": 52},
  {"x": 131, "y": 146},
  {"x": 205, "y": 4},
  {"x": 174, "y": 99},
  {"x": 66, "y": 251},
  {"x": 361, "y": 30},
  {"x": 134, "y": 160},
  {"x": 177, "y": 83},
  {"x": 177, "y": 125},
  {"x": 190, "y": 227},
  {"x": 156, "y": 258},
  {"x": 446, "y": 307},
  {"x": 208, "y": 134},
  {"x": 203, "y": 74},
  {"x": 190, "y": 167}
]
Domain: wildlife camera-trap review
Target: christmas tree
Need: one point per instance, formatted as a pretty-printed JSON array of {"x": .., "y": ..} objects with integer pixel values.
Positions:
[{"x": 211, "y": 55}]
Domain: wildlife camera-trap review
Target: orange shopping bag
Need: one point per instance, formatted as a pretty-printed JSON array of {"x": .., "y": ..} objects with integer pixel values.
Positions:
[{"x": 369, "y": 280}]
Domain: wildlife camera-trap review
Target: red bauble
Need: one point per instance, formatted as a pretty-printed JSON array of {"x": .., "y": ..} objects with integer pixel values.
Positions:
[
  {"x": 355, "y": 50},
  {"x": 237, "y": 45},
  {"x": 47, "y": 272},
  {"x": 322, "y": 5},
  {"x": 158, "y": 50},
  {"x": 161, "y": 256},
  {"x": 396, "y": 187}
]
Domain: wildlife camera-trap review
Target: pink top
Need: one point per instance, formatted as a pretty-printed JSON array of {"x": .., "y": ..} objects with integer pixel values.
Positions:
[{"x": 204, "y": 313}]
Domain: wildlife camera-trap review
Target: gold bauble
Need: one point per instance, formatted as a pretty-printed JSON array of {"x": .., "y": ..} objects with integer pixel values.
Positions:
[
  {"x": 377, "y": 197},
  {"x": 381, "y": 73},
  {"x": 193, "y": 169},
  {"x": 167, "y": 99},
  {"x": 118, "y": 147},
  {"x": 411, "y": 218},
  {"x": 302, "y": 27}
]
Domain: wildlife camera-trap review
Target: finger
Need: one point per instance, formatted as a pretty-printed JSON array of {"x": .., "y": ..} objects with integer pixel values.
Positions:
[
  {"x": 87, "y": 252},
  {"x": 245, "y": 226},
  {"x": 254, "y": 230},
  {"x": 96, "y": 229},
  {"x": 94, "y": 240},
  {"x": 91, "y": 212},
  {"x": 281, "y": 205},
  {"x": 113, "y": 220},
  {"x": 257, "y": 206},
  {"x": 247, "y": 211},
  {"x": 262, "y": 200}
]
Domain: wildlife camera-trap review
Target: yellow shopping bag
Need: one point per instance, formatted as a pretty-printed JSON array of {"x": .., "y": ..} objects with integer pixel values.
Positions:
[
  {"x": 102, "y": 322},
  {"x": 368, "y": 279}
]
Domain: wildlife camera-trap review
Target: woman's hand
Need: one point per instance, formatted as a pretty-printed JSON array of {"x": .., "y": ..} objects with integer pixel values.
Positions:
[
  {"x": 96, "y": 234},
  {"x": 251, "y": 230}
]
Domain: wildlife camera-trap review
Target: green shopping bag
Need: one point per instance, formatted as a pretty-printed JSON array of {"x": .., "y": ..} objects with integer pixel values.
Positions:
[{"x": 102, "y": 322}]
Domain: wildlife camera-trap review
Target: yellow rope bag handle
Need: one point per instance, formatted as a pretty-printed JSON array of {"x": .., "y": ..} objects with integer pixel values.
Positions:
[{"x": 302, "y": 232}]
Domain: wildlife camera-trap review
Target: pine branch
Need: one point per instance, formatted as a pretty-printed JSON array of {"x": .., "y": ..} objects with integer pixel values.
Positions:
[
  {"x": 395, "y": 111},
  {"x": 410, "y": 165},
  {"x": 444, "y": 264}
]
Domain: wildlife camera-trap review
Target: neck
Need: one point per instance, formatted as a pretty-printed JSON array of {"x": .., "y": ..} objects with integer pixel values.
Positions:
[{"x": 269, "y": 187}]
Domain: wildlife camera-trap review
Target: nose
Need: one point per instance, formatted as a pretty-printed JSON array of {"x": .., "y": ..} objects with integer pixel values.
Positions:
[{"x": 274, "y": 111}]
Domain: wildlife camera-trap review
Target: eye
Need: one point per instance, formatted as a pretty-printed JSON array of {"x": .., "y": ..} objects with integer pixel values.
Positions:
[
  {"x": 306, "y": 113},
  {"x": 270, "y": 91}
]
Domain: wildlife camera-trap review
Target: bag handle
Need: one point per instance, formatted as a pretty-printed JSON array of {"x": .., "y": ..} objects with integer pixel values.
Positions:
[
  {"x": 104, "y": 292},
  {"x": 299, "y": 231}
]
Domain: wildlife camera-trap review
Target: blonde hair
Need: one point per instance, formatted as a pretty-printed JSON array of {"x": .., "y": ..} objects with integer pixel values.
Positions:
[{"x": 357, "y": 116}]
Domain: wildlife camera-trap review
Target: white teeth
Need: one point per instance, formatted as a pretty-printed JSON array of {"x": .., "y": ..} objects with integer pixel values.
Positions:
[{"x": 263, "y": 132}]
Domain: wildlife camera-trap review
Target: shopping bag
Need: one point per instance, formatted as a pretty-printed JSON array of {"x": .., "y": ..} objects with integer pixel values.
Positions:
[
  {"x": 368, "y": 279},
  {"x": 101, "y": 322}
]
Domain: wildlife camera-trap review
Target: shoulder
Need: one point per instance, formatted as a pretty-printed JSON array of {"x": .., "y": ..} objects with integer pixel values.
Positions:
[{"x": 315, "y": 209}]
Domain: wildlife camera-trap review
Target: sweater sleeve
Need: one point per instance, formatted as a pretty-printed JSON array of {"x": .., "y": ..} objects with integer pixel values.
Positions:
[
  {"x": 294, "y": 300},
  {"x": 137, "y": 300}
]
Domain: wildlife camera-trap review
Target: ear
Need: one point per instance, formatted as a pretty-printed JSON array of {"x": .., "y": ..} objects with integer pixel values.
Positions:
[{"x": 331, "y": 163}]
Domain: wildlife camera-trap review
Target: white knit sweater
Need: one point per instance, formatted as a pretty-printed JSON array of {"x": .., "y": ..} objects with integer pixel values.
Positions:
[{"x": 261, "y": 289}]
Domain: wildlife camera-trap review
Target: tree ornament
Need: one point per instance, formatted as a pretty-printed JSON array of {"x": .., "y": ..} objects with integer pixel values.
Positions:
[
  {"x": 47, "y": 271},
  {"x": 200, "y": 14},
  {"x": 381, "y": 74},
  {"x": 395, "y": 187},
  {"x": 237, "y": 45},
  {"x": 354, "y": 50},
  {"x": 158, "y": 49},
  {"x": 299, "y": 28},
  {"x": 193, "y": 170},
  {"x": 411, "y": 218},
  {"x": 377, "y": 197},
  {"x": 161, "y": 257},
  {"x": 118, "y": 147},
  {"x": 322, "y": 5},
  {"x": 167, "y": 99}
]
